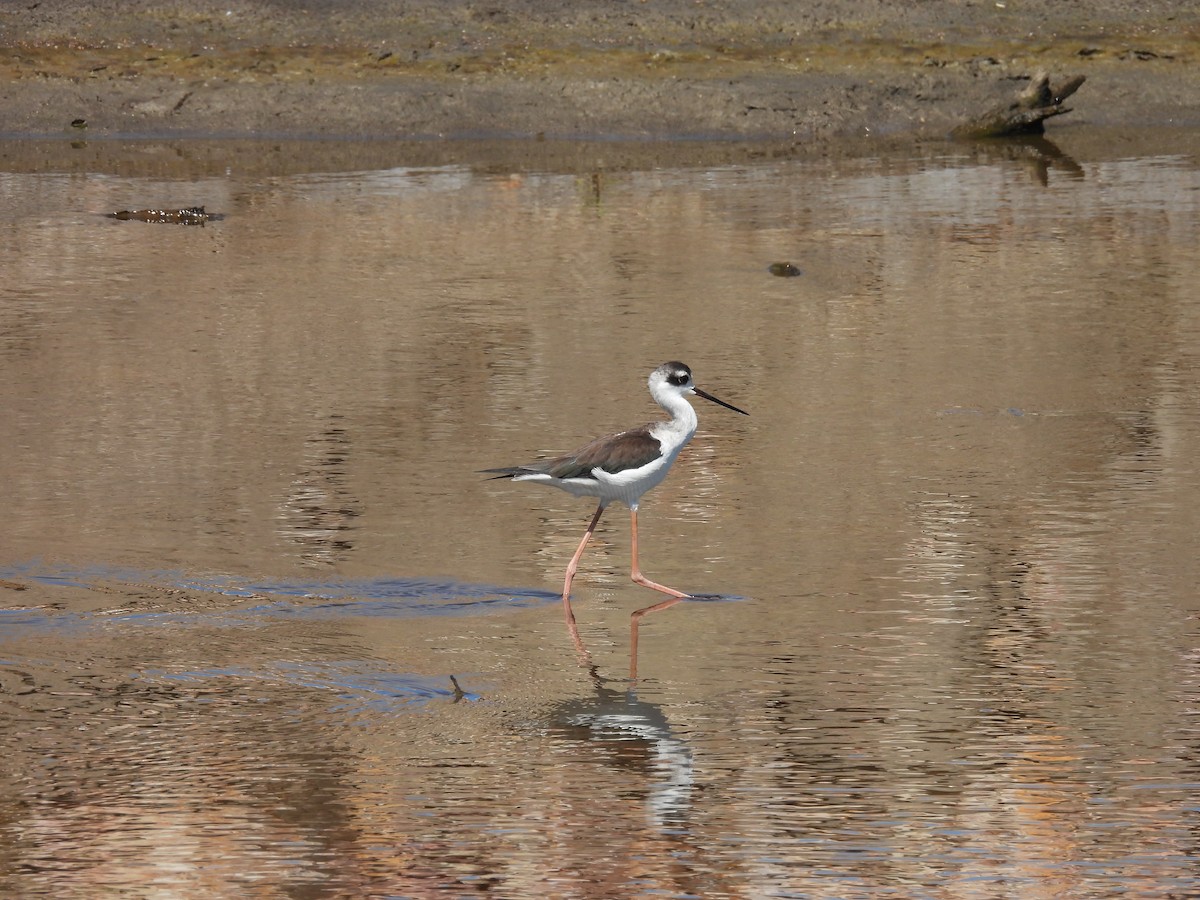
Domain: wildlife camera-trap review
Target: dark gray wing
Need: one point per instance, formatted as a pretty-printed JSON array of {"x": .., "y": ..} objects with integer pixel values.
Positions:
[{"x": 611, "y": 453}]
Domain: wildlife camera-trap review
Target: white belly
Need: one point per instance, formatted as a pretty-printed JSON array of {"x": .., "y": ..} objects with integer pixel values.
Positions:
[{"x": 626, "y": 486}]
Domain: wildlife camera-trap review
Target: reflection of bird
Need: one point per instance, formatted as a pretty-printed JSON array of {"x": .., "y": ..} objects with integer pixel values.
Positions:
[
  {"x": 624, "y": 466},
  {"x": 636, "y": 736}
]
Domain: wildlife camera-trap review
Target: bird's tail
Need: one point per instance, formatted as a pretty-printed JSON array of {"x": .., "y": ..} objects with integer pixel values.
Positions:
[{"x": 506, "y": 472}]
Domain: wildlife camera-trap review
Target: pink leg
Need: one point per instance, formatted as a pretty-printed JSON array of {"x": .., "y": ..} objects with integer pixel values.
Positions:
[
  {"x": 641, "y": 579},
  {"x": 572, "y": 566}
]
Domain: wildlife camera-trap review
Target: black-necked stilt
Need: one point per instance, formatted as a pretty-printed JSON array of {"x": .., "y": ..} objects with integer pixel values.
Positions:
[{"x": 624, "y": 466}]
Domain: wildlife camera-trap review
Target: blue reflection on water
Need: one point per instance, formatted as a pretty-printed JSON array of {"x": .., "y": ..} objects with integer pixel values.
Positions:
[
  {"x": 285, "y": 598},
  {"x": 361, "y": 685}
]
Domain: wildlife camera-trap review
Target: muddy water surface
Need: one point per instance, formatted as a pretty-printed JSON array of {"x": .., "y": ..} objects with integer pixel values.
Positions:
[{"x": 244, "y": 548}]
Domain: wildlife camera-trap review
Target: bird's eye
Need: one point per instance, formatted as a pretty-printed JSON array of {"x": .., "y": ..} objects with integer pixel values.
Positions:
[{"x": 678, "y": 378}]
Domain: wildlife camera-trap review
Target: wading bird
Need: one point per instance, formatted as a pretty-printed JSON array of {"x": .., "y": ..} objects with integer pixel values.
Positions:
[{"x": 624, "y": 466}]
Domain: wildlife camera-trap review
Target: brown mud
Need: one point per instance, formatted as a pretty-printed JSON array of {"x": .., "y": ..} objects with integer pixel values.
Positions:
[{"x": 655, "y": 69}]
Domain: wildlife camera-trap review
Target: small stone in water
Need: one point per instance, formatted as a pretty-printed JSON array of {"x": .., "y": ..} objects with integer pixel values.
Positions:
[{"x": 783, "y": 270}]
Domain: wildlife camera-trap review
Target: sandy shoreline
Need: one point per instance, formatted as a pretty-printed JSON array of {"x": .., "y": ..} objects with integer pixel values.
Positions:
[{"x": 658, "y": 69}]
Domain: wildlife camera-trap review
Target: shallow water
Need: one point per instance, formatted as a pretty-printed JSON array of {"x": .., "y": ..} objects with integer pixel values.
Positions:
[{"x": 265, "y": 632}]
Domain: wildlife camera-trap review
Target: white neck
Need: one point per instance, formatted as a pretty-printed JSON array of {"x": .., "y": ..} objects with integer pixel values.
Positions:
[{"x": 678, "y": 430}]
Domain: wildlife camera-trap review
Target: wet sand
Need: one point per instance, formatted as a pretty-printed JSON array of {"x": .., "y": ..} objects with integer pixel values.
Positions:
[{"x": 654, "y": 69}]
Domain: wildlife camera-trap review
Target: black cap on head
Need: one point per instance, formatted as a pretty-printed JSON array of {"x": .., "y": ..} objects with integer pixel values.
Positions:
[{"x": 678, "y": 373}]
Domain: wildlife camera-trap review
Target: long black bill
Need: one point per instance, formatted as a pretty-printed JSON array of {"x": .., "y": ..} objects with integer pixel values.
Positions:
[{"x": 700, "y": 393}]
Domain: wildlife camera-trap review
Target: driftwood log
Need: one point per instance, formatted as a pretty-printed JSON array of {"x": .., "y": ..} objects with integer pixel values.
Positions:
[{"x": 1025, "y": 113}]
